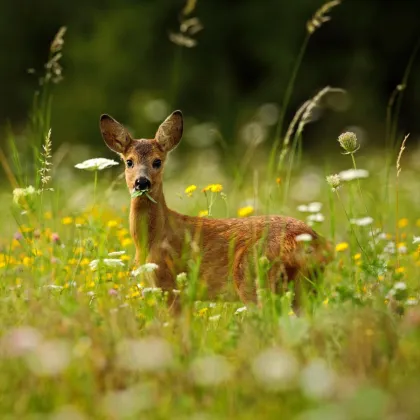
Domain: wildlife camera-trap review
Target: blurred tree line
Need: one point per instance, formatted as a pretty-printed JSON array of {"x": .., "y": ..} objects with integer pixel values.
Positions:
[{"x": 118, "y": 59}]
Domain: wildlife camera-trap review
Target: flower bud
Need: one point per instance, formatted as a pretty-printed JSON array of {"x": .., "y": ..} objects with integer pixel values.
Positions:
[{"x": 348, "y": 141}]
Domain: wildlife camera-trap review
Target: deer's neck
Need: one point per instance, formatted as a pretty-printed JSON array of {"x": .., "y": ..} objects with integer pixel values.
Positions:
[{"x": 148, "y": 220}]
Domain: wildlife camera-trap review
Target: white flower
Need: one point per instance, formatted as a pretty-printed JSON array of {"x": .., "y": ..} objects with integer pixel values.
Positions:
[
  {"x": 20, "y": 195},
  {"x": 318, "y": 217},
  {"x": 314, "y": 207},
  {"x": 400, "y": 286},
  {"x": 145, "y": 268},
  {"x": 351, "y": 174},
  {"x": 116, "y": 253},
  {"x": 151, "y": 290},
  {"x": 214, "y": 317},
  {"x": 364, "y": 221},
  {"x": 109, "y": 262},
  {"x": 240, "y": 310},
  {"x": 416, "y": 239},
  {"x": 96, "y": 164},
  {"x": 389, "y": 248},
  {"x": 303, "y": 237},
  {"x": 411, "y": 301}
]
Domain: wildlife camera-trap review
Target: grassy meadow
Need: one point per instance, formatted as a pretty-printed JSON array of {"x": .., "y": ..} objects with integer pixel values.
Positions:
[{"x": 85, "y": 334}]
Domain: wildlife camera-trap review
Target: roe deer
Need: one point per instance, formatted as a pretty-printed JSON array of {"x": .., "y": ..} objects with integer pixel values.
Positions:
[{"x": 226, "y": 246}]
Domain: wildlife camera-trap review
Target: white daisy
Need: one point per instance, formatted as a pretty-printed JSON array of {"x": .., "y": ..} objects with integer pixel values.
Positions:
[{"x": 96, "y": 164}]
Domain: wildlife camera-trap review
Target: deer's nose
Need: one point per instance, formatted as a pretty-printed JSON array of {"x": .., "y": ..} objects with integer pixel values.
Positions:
[{"x": 142, "y": 184}]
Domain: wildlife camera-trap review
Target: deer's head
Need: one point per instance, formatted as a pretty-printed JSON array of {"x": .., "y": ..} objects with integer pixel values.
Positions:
[{"x": 144, "y": 158}]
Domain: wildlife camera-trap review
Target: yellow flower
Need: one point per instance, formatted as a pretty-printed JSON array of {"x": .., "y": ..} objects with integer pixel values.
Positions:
[
  {"x": 402, "y": 223},
  {"x": 342, "y": 246},
  {"x": 190, "y": 189},
  {"x": 112, "y": 223},
  {"x": 80, "y": 220},
  {"x": 245, "y": 211},
  {"x": 47, "y": 215},
  {"x": 418, "y": 222},
  {"x": 213, "y": 188},
  {"x": 357, "y": 256},
  {"x": 400, "y": 270},
  {"x": 26, "y": 229},
  {"x": 278, "y": 181},
  {"x": 126, "y": 242},
  {"x": 202, "y": 311},
  {"x": 203, "y": 213},
  {"x": 84, "y": 262},
  {"x": 381, "y": 277},
  {"x": 28, "y": 261},
  {"x": 325, "y": 302},
  {"x": 125, "y": 258},
  {"x": 67, "y": 220}
]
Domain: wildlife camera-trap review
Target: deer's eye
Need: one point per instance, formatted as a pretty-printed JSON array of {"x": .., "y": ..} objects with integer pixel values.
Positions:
[
  {"x": 129, "y": 163},
  {"x": 157, "y": 163}
]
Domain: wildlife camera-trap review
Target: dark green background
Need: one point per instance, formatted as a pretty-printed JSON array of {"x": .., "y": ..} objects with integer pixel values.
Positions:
[{"x": 117, "y": 55}]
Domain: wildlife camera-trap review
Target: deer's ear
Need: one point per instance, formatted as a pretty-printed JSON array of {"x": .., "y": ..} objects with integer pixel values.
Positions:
[
  {"x": 116, "y": 137},
  {"x": 169, "y": 132}
]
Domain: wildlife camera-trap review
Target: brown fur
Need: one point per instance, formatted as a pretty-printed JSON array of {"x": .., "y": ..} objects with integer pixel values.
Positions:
[{"x": 227, "y": 246}]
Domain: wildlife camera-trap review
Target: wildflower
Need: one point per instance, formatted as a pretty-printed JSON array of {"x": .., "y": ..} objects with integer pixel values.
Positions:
[
  {"x": 145, "y": 268},
  {"x": 364, "y": 221},
  {"x": 126, "y": 242},
  {"x": 245, "y": 211},
  {"x": 416, "y": 239},
  {"x": 402, "y": 248},
  {"x": 202, "y": 311},
  {"x": 55, "y": 238},
  {"x": 278, "y": 181},
  {"x": 334, "y": 181},
  {"x": 357, "y": 256},
  {"x": 342, "y": 246},
  {"x": 303, "y": 237},
  {"x": 109, "y": 262},
  {"x": 348, "y": 141},
  {"x": 240, "y": 310},
  {"x": 190, "y": 189},
  {"x": 402, "y": 223},
  {"x": 325, "y": 301},
  {"x": 97, "y": 164},
  {"x": 215, "y": 188},
  {"x": 400, "y": 270},
  {"x": 116, "y": 253},
  {"x": 22, "y": 195},
  {"x": 203, "y": 213},
  {"x": 214, "y": 317},
  {"x": 352, "y": 174},
  {"x": 112, "y": 223},
  {"x": 390, "y": 248},
  {"x": 412, "y": 301},
  {"x": 318, "y": 218},
  {"x": 67, "y": 220},
  {"x": 181, "y": 280},
  {"x": 47, "y": 215},
  {"x": 314, "y": 207},
  {"x": 151, "y": 291}
]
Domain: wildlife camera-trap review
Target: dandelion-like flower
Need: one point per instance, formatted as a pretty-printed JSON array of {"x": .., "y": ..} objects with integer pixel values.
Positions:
[
  {"x": 342, "y": 246},
  {"x": 245, "y": 211},
  {"x": 190, "y": 189},
  {"x": 348, "y": 141},
  {"x": 334, "y": 181},
  {"x": 213, "y": 188},
  {"x": 203, "y": 213},
  {"x": 352, "y": 174},
  {"x": 96, "y": 164}
]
